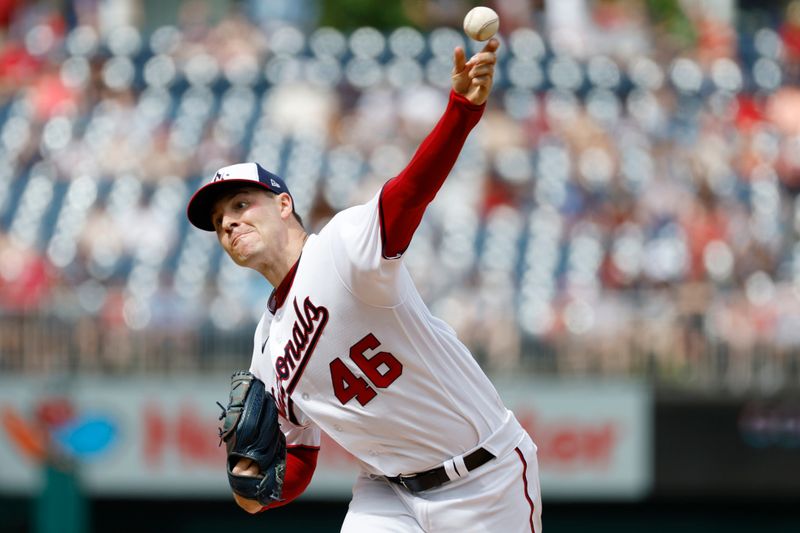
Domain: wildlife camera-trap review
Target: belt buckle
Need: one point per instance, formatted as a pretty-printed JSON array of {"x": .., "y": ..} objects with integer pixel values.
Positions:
[{"x": 402, "y": 480}]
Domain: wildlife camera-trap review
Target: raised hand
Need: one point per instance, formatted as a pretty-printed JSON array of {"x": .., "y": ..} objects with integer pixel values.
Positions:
[{"x": 473, "y": 79}]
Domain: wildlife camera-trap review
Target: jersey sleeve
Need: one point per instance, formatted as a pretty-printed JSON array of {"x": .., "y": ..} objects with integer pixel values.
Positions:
[
  {"x": 356, "y": 252},
  {"x": 366, "y": 241},
  {"x": 307, "y": 436},
  {"x": 300, "y": 465},
  {"x": 406, "y": 196}
]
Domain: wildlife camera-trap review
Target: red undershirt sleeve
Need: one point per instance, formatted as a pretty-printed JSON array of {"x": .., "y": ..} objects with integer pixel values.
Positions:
[
  {"x": 405, "y": 197},
  {"x": 300, "y": 464}
]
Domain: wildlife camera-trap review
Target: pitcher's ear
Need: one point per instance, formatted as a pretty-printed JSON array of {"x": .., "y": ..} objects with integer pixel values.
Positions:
[{"x": 287, "y": 205}]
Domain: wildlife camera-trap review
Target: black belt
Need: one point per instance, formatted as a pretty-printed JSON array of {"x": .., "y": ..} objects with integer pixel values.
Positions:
[{"x": 435, "y": 477}]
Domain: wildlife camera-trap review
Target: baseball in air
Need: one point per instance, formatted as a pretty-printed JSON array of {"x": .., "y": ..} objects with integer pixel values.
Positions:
[{"x": 481, "y": 23}]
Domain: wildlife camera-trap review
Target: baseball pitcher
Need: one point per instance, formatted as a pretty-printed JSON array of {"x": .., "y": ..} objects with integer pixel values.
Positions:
[{"x": 347, "y": 346}]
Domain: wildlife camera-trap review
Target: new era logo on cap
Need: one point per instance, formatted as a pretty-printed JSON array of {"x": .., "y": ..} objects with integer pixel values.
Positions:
[{"x": 224, "y": 180}]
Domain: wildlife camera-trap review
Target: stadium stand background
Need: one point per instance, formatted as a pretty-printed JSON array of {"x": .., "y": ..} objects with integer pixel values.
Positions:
[{"x": 626, "y": 208}]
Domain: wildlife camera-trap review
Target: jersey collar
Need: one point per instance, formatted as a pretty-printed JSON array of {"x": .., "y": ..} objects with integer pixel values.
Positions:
[{"x": 280, "y": 293}]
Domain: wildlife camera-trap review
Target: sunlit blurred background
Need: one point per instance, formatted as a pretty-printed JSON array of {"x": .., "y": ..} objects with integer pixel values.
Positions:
[{"x": 619, "y": 244}]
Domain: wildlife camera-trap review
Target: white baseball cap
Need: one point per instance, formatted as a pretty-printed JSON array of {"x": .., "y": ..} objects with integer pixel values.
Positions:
[{"x": 226, "y": 180}]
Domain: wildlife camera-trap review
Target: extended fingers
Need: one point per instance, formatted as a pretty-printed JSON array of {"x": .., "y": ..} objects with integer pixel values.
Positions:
[
  {"x": 491, "y": 46},
  {"x": 459, "y": 60},
  {"x": 485, "y": 56},
  {"x": 482, "y": 58},
  {"x": 482, "y": 81},
  {"x": 473, "y": 78},
  {"x": 483, "y": 69}
]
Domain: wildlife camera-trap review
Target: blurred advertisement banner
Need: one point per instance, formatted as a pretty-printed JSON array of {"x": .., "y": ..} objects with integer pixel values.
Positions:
[
  {"x": 594, "y": 438},
  {"x": 157, "y": 437},
  {"x": 137, "y": 436},
  {"x": 728, "y": 448}
]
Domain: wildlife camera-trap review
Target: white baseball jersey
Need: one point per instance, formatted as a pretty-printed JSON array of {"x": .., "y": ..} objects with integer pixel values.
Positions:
[{"x": 353, "y": 351}]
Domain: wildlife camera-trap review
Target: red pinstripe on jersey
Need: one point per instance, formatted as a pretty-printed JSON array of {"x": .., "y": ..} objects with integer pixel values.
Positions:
[{"x": 525, "y": 482}]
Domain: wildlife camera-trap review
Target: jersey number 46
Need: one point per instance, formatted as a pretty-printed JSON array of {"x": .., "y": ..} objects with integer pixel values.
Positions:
[{"x": 381, "y": 370}]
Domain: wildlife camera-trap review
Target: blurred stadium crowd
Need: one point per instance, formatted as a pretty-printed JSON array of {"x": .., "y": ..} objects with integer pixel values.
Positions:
[{"x": 626, "y": 206}]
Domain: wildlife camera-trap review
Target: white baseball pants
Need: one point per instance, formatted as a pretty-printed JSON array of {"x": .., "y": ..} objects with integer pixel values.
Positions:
[{"x": 501, "y": 496}]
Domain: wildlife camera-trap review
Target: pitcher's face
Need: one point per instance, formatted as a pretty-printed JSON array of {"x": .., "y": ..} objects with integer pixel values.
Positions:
[{"x": 250, "y": 226}]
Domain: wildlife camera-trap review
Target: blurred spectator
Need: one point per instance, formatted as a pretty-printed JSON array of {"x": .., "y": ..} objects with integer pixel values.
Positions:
[
  {"x": 790, "y": 37},
  {"x": 25, "y": 277},
  {"x": 627, "y": 205}
]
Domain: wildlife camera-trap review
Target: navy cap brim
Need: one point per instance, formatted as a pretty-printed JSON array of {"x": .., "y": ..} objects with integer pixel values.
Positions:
[{"x": 199, "y": 209}]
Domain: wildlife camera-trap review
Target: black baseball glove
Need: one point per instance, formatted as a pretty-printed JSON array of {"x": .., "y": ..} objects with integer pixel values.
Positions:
[{"x": 251, "y": 431}]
